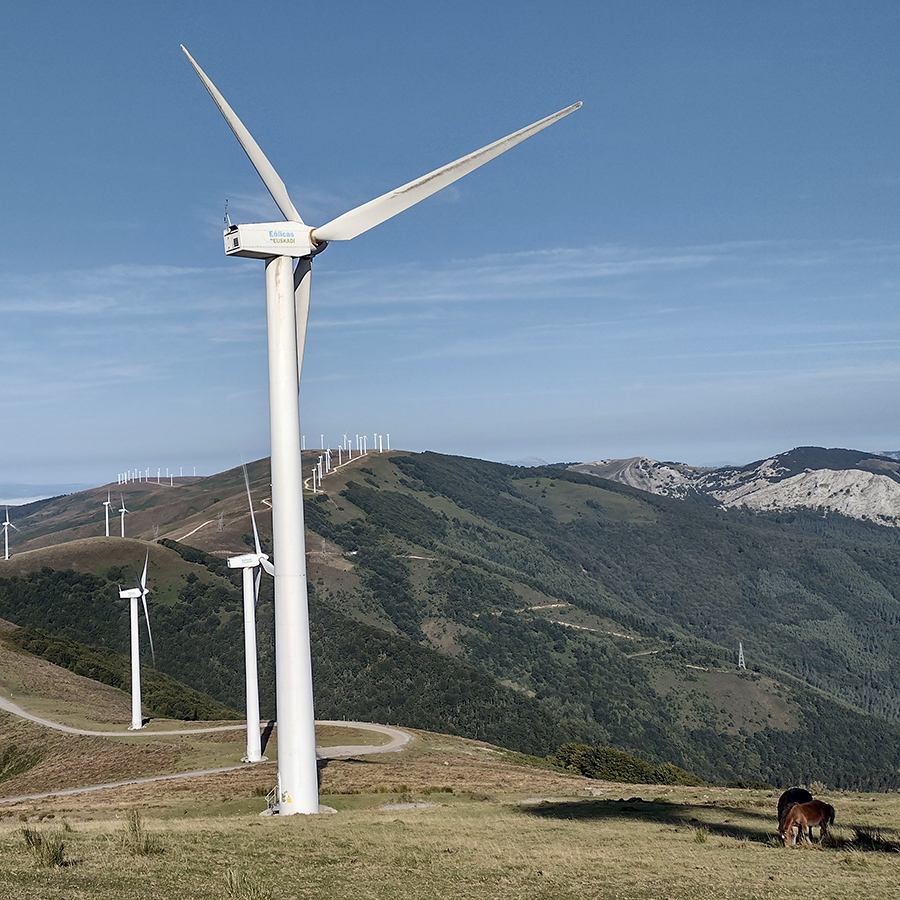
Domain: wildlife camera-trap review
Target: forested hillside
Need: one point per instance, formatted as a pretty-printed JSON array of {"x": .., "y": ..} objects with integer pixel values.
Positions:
[{"x": 538, "y": 607}]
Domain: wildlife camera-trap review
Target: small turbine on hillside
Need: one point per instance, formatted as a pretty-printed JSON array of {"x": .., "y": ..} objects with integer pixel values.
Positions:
[
  {"x": 122, "y": 512},
  {"x": 107, "y": 503},
  {"x": 133, "y": 595},
  {"x": 287, "y": 303},
  {"x": 6, "y": 526},
  {"x": 252, "y": 565}
]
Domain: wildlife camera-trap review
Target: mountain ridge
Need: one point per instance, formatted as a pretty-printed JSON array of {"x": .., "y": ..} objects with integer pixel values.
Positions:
[{"x": 852, "y": 483}]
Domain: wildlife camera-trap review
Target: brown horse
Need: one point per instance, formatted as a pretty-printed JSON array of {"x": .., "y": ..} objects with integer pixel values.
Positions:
[{"x": 806, "y": 815}]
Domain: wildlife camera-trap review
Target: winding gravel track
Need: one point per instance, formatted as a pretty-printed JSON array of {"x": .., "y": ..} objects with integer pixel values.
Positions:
[{"x": 397, "y": 740}]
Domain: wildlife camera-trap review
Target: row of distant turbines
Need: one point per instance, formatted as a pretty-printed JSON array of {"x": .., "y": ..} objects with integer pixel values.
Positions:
[
  {"x": 144, "y": 475},
  {"x": 323, "y": 465}
]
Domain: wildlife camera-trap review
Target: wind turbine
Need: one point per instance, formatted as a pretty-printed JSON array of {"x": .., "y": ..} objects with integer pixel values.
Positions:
[
  {"x": 6, "y": 526},
  {"x": 122, "y": 512},
  {"x": 287, "y": 305},
  {"x": 252, "y": 565},
  {"x": 108, "y": 503},
  {"x": 133, "y": 595}
]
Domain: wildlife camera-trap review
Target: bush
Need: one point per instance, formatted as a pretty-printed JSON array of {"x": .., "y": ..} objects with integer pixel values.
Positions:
[
  {"x": 136, "y": 840},
  {"x": 48, "y": 848},
  {"x": 609, "y": 764}
]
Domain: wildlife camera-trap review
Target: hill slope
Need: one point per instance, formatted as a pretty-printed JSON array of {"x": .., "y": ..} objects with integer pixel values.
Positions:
[{"x": 537, "y": 606}]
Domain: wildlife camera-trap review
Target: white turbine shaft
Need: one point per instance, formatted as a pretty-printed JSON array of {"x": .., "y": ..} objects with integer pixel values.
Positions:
[
  {"x": 137, "y": 719},
  {"x": 254, "y": 742},
  {"x": 389, "y": 441},
  {"x": 6, "y": 525},
  {"x": 297, "y": 771}
]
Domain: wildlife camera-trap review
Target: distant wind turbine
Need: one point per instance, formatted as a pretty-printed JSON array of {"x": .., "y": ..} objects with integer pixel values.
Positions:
[
  {"x": 133, "y": 595},
  {"x": 252, "y": 565},
  {"x": 122, "y": 512},
  {"x": 287, "y": 302},
  {"x": 107, "y": 503},
  {"x": 6, "y": 526}
]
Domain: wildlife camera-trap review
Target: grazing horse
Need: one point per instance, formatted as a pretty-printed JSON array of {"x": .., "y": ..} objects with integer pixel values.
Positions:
[
  {"x": 788, "y": 799},
  {"x": 806, "y": 815}
]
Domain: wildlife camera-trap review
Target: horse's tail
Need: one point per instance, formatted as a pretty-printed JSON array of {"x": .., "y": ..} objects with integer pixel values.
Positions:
[{"x": 830, "y": 815}]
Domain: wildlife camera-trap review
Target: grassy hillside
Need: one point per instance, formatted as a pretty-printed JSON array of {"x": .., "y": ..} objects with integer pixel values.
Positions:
[
  {"x": 532, "y": 607},
  {"x": 448, "y": 818}
]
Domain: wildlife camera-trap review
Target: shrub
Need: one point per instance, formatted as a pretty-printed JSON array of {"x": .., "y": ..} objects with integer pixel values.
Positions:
[
  {"x": 48, "y": 848},
  {"x": 136, "y": 840}
]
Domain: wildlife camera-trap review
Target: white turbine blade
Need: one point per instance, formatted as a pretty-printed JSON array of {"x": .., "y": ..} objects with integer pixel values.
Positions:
[
  {"x": 264, "y": 562},
  {"x": 266, "y": 170},
  {"x": 376, "y": 211},
  {"x": 256, "y": 586},
  {"x": 149, "y": 632},
  {"x": 144, "y": 574},
  {"x": 252, "y": 517}
]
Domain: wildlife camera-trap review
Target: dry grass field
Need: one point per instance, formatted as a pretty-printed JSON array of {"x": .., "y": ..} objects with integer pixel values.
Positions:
[{"x": 445, "y": 818}]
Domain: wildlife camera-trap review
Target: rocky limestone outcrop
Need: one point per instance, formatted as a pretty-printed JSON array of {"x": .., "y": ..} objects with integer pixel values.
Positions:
[{"x": 852, "y": 483}]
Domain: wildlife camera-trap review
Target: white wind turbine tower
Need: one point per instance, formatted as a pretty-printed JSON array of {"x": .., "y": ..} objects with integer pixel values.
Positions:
[
  {"x": 133, "y": 595},
  {"x": 252, "y": 565},
  {"x": 287, "y": 304},
  {"x": 6, "y": 526},
  {"x": 107, "y": 503},
  {"x": 122, "y": 512}
]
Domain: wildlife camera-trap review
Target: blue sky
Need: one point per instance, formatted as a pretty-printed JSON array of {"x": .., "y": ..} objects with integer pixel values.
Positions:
[{"x": 701, "y": 264}]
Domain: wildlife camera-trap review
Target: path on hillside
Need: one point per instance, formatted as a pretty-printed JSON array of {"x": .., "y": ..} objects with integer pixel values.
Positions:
[{"x": 397, "y": 740}]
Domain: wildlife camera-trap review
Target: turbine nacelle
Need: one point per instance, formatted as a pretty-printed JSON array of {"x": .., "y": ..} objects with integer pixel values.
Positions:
[
  {"x": 246, "y": 561},
  {"x": 131, "y": 594},
  {"x": 263, "y": 240}
]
